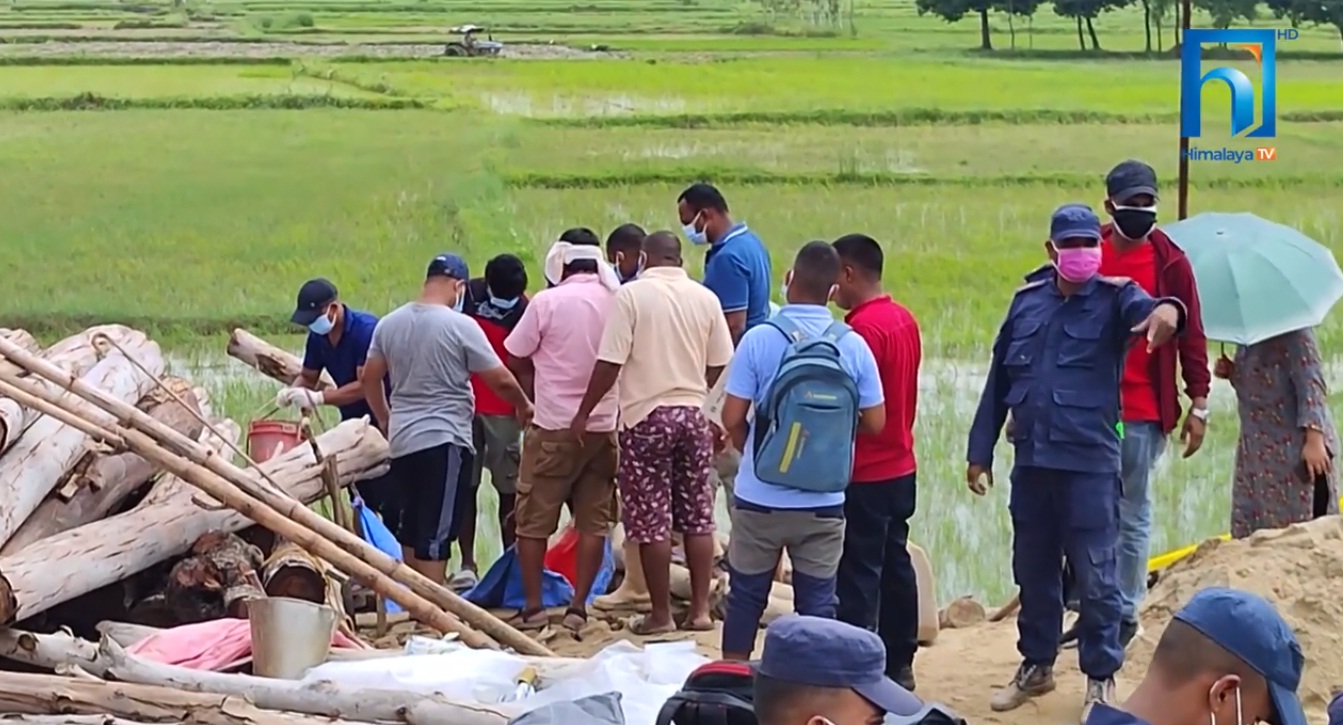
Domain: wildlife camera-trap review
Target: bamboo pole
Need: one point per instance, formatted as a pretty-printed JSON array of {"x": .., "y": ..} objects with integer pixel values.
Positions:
[
  {"x": 228, "y": 494},
  {"x": 229, "y": 484}
]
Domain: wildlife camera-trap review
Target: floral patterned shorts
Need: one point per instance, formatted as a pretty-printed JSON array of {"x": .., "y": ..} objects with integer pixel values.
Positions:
[{"x": 665, "y": 464}]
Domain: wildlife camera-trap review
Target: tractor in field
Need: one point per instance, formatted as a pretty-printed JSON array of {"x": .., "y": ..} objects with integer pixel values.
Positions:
[{"x": 470, "y": 46}]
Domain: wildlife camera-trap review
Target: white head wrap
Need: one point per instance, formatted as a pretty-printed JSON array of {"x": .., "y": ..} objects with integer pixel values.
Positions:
[{"x": 563, "y": 253}]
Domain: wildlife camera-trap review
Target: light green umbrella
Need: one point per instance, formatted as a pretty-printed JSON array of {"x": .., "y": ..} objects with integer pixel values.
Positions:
[{"x": 1257, "y": 279}]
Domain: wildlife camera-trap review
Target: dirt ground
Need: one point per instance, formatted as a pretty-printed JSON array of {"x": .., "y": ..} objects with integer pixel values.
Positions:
[{"x": 1299, "y": 569}]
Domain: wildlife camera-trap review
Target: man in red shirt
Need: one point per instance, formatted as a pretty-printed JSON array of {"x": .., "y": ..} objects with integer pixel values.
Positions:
[
  {"x": 496, "y": 301},
  {"x": 876, "y": 586},
  {"x": 1133, "y": 247}
]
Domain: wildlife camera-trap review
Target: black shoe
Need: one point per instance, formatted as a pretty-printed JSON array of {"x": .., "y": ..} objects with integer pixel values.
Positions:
[
  {"x": 1069, "y": 637},
  {"x": 1127, "y": 631},
  {"x": 904, "y": 677}
]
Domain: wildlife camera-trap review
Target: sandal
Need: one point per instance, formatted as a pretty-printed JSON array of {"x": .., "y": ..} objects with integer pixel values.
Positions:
[
  {"x": 526, "y": 620},
  {"x": 690, "y": 625},
  {"x": 641, "y": 627},
  {"x": 581, "y": 614}
]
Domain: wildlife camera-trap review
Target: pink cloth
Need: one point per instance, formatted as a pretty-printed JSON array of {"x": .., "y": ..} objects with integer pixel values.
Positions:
[
  {"x": 561, "y": 331},
  {"x": 210, "y": 646}
]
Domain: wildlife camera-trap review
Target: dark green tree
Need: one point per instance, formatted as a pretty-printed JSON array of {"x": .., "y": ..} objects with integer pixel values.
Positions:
[
  {"x": 1160, "y": 11},
  {"x": 1014, "y": 9},
  {"x": 1226, "y": 12},
  {"x": 1086, "y": 12},
  {"x": 953, "y": 10},
  {"x": 1314, "y": 12}
]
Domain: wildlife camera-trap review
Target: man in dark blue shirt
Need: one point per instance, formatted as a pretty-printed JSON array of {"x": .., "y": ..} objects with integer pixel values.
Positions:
[
  {"x": 338, "y": 340},
  {"x": 736, "y": 265},
  {"x": 1227, "y": 657}
]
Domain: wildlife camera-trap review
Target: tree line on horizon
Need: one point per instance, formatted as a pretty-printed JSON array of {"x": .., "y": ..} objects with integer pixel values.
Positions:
[{"x": 1157, "y": 15}]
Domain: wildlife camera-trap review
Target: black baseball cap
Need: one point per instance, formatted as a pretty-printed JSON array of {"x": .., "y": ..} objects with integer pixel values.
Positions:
[
  {"x": 1129, "y": 179},
  {"x": 313, "y": 298}
]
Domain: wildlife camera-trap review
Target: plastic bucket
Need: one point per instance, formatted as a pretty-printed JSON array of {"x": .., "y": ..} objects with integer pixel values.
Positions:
[
  {"x": 562, "y": 556},
  {"x": 267, "y": 439}
]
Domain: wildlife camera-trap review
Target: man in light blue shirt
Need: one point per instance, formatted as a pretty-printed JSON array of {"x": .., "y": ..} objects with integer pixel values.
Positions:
[{"x": 768, "y": 519}]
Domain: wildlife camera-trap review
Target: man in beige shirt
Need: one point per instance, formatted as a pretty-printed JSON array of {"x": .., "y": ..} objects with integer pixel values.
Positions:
[{"x": 667, "y": 341}]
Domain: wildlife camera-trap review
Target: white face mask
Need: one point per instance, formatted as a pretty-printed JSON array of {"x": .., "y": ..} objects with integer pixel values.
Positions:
[
  {"x": 1240, "y": 717},
  {"x": 788, "y": 278}
]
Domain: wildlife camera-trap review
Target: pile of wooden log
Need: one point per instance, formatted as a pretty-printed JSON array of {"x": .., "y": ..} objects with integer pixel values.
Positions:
[{"x": 118, "y": 479}]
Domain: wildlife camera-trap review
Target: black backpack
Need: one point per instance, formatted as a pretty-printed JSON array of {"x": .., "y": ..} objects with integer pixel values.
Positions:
[{"x": 718, "y": 693}]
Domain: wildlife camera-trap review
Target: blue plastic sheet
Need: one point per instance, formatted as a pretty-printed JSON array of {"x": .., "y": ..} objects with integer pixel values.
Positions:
[
  {"x": 377, "y": 534},
  {"x": 501, "y": 587}
]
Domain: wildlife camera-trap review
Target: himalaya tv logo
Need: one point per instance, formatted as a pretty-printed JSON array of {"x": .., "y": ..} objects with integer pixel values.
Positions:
[{"x": 1262, "y": 45}]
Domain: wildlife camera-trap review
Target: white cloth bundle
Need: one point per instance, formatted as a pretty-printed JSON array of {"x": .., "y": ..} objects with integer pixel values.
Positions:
[{"x": 563, "y": 253}]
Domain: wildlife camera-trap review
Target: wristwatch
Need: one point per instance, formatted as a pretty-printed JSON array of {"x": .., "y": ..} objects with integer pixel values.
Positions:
[{"x": 1200, "y": 413}]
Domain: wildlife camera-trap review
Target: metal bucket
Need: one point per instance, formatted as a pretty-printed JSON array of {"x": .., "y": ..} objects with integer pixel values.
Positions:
[{"x": 289, "y": 636}]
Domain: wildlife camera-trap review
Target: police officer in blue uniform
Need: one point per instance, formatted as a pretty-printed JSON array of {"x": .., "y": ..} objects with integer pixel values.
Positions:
[{"x": 1057, "y": 363}]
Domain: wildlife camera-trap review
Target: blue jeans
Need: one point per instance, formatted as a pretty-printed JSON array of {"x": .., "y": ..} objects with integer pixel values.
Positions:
[{"x": 1143, "y": 444}]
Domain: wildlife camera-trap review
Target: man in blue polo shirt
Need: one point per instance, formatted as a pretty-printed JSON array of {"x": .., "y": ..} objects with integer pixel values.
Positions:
[
  {"x": 737, "y": 270},
  {"x": 736, "y": 265},
  {"x": 769, "y": 519},
  {"x": 1227, "y": 657},
  {"x": 338, "y": 340}
]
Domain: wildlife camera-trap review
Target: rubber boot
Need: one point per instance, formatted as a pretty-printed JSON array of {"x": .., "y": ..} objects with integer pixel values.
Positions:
[{"x": 632, "y": 592}]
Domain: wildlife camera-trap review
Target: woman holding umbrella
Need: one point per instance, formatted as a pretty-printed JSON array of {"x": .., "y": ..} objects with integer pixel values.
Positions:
[
  {"x": 1265, "y": 287},
  {"x": 1284, "y": 460}
]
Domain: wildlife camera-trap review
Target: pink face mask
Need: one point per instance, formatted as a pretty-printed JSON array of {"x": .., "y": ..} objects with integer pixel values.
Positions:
[{"x": 1077, "y": 264}]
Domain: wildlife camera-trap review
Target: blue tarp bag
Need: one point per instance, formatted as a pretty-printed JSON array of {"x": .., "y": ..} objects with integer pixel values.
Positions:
[
  {"x": 377, "y": 534},
  {"x": 501, "y": 587},
  {"x": 806, "y": 424}
]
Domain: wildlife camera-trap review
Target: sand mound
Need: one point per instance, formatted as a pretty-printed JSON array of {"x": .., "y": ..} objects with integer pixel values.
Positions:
[{"x": 1299, "y": 569}]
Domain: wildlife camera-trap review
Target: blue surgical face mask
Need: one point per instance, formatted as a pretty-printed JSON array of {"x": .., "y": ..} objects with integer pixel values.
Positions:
[
  {"x": 503, "y": 304},
  {"x": 696, "y": 236},
  {"x": 321, "y": 325},
  {"x": 643, "y": 260}
]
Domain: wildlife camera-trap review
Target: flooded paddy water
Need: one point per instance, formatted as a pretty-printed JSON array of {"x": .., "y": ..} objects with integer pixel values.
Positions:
[{"x": 968, "y": 538}]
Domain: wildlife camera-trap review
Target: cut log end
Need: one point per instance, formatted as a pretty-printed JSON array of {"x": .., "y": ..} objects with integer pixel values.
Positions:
[{"x": 9, "y": 604}]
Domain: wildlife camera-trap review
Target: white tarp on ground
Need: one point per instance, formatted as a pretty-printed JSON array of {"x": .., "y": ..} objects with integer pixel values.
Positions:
[{"x": 645, "y": 678}]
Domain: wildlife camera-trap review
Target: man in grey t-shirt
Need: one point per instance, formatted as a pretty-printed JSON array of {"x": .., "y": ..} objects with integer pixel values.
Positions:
[{"x": 429, "y": 349}]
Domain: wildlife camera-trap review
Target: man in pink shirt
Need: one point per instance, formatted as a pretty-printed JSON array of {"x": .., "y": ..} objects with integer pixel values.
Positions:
[{"x": 555, "y": 343}]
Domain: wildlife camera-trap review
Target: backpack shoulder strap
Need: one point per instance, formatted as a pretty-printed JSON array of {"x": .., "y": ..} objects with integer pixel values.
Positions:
[
  {"x": 790, "y": 330},
  {"x": 667, "y": 715},
  {"x": 835, "y": 331}
]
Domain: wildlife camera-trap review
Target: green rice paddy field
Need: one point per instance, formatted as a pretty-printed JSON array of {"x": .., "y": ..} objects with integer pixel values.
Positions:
[{"x": 185, "y": 167}]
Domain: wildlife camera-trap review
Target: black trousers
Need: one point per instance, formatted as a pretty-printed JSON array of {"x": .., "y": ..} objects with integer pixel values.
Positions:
[{"x": 877, "y": 587}]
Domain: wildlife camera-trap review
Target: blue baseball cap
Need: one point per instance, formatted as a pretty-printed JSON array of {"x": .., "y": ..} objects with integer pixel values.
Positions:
[
  {"x": 827, "y": 653},
  {"x": 449, "y": 265},
  {"x": 1074, "y": 221},
  {"x": 1249, "y": 627}
]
